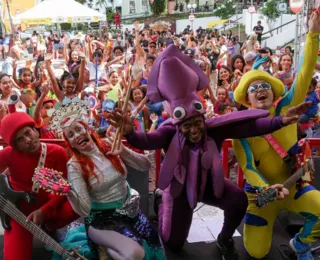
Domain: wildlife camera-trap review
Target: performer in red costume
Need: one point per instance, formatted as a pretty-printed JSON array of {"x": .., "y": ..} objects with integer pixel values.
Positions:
[{"x": 25, "y": 153}]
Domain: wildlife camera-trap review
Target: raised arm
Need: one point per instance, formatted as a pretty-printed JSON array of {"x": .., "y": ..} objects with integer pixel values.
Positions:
[
  {"x": 80, "y": 82},
  {"x": 157, "y": 139},
  {"x": 301, "y": 83},
  {"x": 254, "y": 122},
  {"x": 37, "y": 111},
  {"x": 59, "y": 94}
]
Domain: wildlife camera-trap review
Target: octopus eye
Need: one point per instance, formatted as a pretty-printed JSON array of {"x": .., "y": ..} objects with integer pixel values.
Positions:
[
  {"x": 179, "y": 113},
  {"x": 198, "y": 106}
]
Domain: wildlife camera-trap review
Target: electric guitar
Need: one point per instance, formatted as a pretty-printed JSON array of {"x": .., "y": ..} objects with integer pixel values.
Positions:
[
  {"x": 8, "y": 199},
  {"x": 304, "y": 174}
]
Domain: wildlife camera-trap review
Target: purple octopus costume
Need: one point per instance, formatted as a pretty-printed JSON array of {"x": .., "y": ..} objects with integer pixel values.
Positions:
[{"x": 192, "y": 173}]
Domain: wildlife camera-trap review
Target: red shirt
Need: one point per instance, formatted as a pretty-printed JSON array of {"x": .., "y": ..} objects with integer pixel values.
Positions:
[{"x": 21, "y": 167}]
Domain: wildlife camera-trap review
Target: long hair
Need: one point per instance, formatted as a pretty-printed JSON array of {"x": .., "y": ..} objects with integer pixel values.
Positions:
[
  {"x": 86, "y": 163},
  {"x": 233, "y": 60},
  {"x": 253, "y": 38},
  {"x": 230, "y": 75},
  {"x": 280, "y": 59}
]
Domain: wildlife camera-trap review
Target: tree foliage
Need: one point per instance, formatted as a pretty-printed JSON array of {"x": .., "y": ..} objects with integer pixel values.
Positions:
[
  {"x": 81, "y": 1},
  {"x": 270, "y": 10},
  {"x": 225, "y": 10},
  {"x": 158, "y": 7}
]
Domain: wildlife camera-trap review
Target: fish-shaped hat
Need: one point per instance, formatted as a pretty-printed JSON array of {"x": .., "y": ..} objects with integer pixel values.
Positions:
[{"x": 176, "y": 78}]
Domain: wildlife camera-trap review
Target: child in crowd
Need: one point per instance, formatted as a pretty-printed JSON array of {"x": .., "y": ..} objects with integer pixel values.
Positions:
[
  {"x": 28, "y": 98},
  {"x": 311, "y": 96},
  {"x": 43, "y": 113},
  {"x": 139, "y": 110}
]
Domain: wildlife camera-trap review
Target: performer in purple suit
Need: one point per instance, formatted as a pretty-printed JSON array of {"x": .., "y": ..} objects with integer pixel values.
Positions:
[{"x": 192, "y": 171}]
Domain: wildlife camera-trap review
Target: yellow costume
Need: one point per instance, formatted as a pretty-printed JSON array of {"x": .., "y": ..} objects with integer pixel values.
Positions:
[{"x": 263, "y": 167}]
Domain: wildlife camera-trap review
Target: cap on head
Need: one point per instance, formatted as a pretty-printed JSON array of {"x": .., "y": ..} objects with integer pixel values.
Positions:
[
  {"x": 189, "y": 52},
  {"x": 250, "y": 56},
  {"x": 176, "y": 78},
  {"x": 240, "y": 93},
  {"x": 12, "y": 123},
  {"x": 108, "y": 105}
]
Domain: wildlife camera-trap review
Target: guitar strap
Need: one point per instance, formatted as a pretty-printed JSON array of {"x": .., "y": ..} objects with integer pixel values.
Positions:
[
  {"x": 289, "y": 160},
  {"x": 41, "y": 162}
]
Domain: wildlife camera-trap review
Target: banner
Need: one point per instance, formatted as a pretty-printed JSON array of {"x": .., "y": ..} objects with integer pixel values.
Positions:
[{"x": 37, "y": 21}]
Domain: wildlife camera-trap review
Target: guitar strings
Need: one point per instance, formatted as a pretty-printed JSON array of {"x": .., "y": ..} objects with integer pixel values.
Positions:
[{"x": 11, "y": 208}]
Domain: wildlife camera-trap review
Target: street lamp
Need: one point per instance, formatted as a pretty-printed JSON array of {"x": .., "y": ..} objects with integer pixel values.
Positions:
[{"x": 192, "y": 8}]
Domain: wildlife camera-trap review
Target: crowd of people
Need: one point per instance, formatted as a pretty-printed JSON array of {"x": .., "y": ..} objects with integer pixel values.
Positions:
[{"x": 183, "y": 93}]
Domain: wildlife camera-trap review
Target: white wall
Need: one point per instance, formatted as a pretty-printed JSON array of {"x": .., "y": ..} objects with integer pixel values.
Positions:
[
  {"x": 280, "y": 39},
  {"x": 182, "y": 24},
  {"x": 256, "y": 17}
]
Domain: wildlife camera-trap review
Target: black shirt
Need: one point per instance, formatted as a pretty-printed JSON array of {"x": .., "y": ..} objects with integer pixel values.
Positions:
[{"x": 258, "y": 28}]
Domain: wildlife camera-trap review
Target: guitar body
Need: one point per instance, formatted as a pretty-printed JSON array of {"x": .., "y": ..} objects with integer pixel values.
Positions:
[{"x": 11, "y": 195}]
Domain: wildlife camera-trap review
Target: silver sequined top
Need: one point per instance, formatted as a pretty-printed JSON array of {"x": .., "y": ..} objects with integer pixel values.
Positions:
[{"x": 111, "y": 186}]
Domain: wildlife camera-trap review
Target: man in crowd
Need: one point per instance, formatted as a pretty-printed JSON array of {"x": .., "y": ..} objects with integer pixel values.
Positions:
[{"x": 258, "y": 29}]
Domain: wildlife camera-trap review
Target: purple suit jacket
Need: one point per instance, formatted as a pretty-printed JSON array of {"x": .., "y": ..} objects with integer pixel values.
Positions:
[{"x": 180, "y": 167}]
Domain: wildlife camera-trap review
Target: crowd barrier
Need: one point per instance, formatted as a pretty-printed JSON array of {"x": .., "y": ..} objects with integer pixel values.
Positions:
[{"x": 312, "y": 142}]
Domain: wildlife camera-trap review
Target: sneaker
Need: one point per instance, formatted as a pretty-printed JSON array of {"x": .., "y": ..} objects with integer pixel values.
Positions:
[
  {"x": 227, "y": 249},
  {"x": 302, "y": 250}
]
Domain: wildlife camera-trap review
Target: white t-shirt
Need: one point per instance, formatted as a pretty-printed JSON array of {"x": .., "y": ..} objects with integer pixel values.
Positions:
[
  {"x": 224, "y": 58},
  {"x": 102, "y": 73}
]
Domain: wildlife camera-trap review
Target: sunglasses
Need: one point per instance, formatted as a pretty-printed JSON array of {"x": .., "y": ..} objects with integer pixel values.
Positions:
[{"x": 254, "y": 88}]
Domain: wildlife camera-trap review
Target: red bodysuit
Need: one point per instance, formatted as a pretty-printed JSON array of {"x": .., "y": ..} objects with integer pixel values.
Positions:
[{"x": 57, "y": 209}]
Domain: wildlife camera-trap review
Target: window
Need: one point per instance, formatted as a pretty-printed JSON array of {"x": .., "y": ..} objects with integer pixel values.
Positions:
[
  {"x": 132, "y": 6},
  {"x": 144, "y": 4}
]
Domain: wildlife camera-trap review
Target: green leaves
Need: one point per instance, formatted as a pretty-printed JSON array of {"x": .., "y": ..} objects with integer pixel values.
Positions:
[
  {"x": 270, "y": 10},
  {"x": 158, "y": 7},
  {"x": 225, "y": 10},
  {"x": 81, "y": 1}
]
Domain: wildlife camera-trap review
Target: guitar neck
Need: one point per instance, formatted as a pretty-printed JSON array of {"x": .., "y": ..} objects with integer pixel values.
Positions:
[
  {"x": 289, "y": 183},
  {"x": 11, "y": 210}
]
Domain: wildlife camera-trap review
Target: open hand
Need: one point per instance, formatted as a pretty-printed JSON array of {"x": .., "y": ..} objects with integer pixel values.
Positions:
[
  {"x": 116, "y": 117},
  {"x": 48, "y": 57},
  {"x": 110, "y": 140},
  {"x": 154, "y": 118},
  {"x": 37, "y": 217},
  {"x": 314, "y": 22},
  {"x": 294, "y": 113},
  {"x": 44, "y": 89}
]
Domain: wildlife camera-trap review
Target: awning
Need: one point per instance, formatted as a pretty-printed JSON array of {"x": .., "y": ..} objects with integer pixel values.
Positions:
[
  {"x": 59, "y": 11},
  {"x": 216, "y": 22}
]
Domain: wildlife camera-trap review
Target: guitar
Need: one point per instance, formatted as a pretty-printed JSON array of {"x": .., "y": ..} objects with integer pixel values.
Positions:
[
  {"x": 304, "y": 173},
  {"x": 8, "y": 199}
]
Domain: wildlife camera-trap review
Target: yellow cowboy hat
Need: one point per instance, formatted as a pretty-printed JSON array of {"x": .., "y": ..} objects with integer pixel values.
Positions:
[{"x": 240, "y": 94}]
